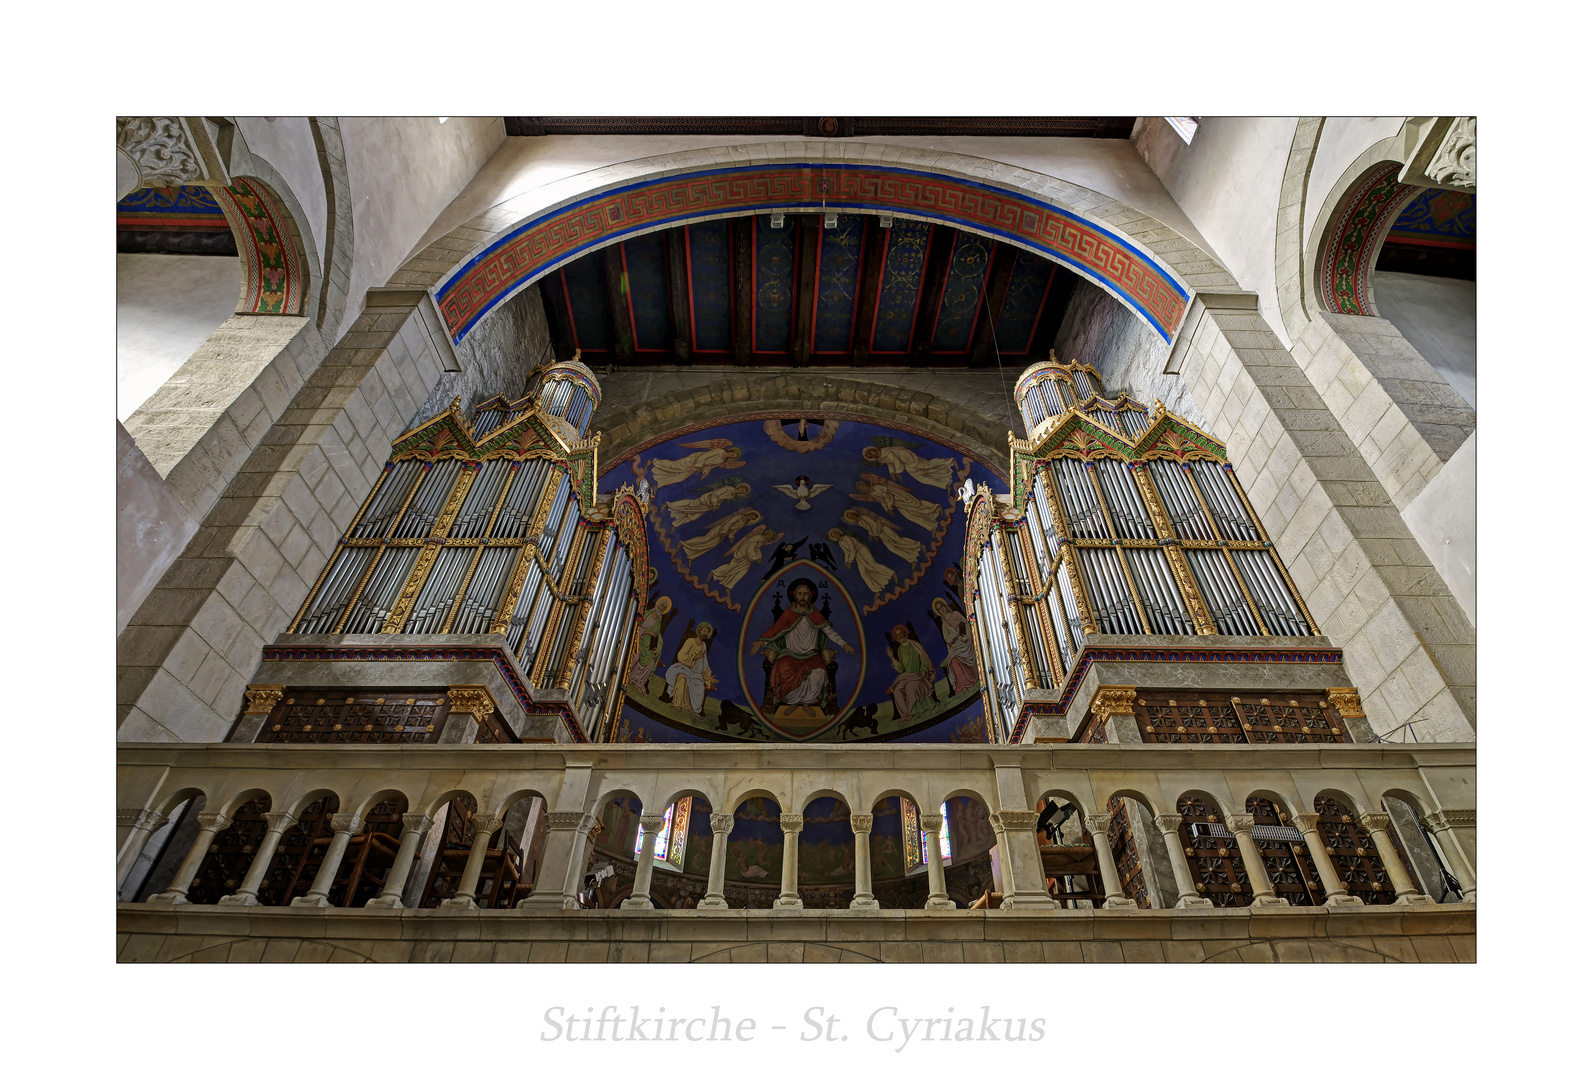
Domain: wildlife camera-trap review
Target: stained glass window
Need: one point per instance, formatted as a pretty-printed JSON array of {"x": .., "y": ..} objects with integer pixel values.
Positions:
[
  {"x": 669, "y": 846},
  {"x": 945, "y": 838},
  {"x": 912, "y": 849}
]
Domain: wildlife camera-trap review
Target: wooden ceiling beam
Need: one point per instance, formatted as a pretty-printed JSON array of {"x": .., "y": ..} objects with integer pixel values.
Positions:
[
  {"x": 942, "y": 240},
  {"x": 558, "y": 316},
  {"x": 1049, "y": 324},
  {"x": 1002, "y": 262},
  {"x": 807, "y": 262},
  {"x": 679, "y": 292},
  {"x": 619, "y": 304},
  {"x": 741, "y": 230},
  {"x": 875, "y": 241}
]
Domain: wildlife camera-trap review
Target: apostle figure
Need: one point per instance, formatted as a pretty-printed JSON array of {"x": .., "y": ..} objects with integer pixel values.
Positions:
[
  {"x": 961, "y": 669},
  {"x": 898, "y": 457},
  {"x": 685, "y": 511},
  {"x": 798, "y": 659},
  {"x": 743, "y": 554},
  {"x": 915, "y": 682},
  {"x": 719, "y": 532},
  {"x": 710, "y": 454},
  {"x": 875, "y": 575},
  {"x": 872, "y": 487},
  {"x": 885, "y": 532},
  {"x": 649, "y": 641},
  {"x": 689, "y": 677}
]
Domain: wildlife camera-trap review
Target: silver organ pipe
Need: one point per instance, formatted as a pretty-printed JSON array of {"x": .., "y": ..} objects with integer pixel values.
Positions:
[
  {"x": 395, "y": 486},
  {"x": 375, "y": 602},
  {"x": 1221, "y": 593},
  {"x": 420, "y": 516},
  {"x": 1178, "y": 496},
  {"x": 325, "y": 612},
  {"x": 1216, "y": 484}
]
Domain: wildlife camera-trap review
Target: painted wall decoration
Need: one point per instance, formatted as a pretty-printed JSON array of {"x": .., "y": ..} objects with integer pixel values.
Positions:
[{"x": 807, "y": 586}]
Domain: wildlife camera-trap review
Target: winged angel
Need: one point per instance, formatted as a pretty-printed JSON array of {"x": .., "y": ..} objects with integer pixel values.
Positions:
[{"x": 802, "y": 489}]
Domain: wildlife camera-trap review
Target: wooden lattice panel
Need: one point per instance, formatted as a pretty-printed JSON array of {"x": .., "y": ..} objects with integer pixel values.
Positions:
[
  {"x": 342, "y": 715},
  {"x": 231, "y": 852},
  {"x": 1353, "y": 851},
  {"x": 1213, "y": 855},
  {"x": 299, "y": 854},
  {"x": 1234, "y": 717},
  {"x": 1284, "y": 854},
  {"x": 1125, "y": 853}
]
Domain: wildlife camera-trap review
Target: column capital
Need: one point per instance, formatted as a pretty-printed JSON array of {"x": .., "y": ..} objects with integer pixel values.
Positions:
[
  {"x": 279, "y": 821},
  {"x": 1169, "y": 823},
  {"x": 1113, "y": 701},
  {"x": 573, "y": 820},
  {"x": 933, "y": 822},
  {"x": 212, "y": 820},
  {"x": 486, "y": 822},
  {"x": 416, "y": 822},
  {"x": 1018, "y": 820},
  {"x": 1372, "y": 821},
  {"x": 1098, "y": 823},
  {"x": 1346, "y": 699},
  {"x": 262, "y": 697},
  {"x": 653, "y": 823},
  {"x": 791, "y": 823},
  {"x": 1306, "y": 822},
  {"x": 1240, "y": 824},
  {"x": 473, "y": 699},
  {"x": 862, "y": 823},
  {"x": 140, "y": 819},
  {"x": 722, "y": 823},
  {"x": 347, "y": 823},
  {"x": 1439, "y": 820}
]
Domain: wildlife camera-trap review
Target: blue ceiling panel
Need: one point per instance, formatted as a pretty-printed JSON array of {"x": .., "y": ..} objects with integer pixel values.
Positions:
[
  {"x": 899, "y": 284},
  {"x": 583, "y": 284},
  {"x": 774, "y": 276},
  {"x": 965, "y": 285},
  {"x": 647, "y": 280},
  {"x": 1031, "y": 281},
  {"x": 840, "y": 261},
  {"x": 708, "y": 254}
]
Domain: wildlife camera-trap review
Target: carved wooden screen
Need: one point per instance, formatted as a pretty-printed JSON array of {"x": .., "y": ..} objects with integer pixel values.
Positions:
[
  {"x": 1214, "y": 857},
  {"x": 299, "y": 854},
  {"x": 1226, "y": 716},
  {"x": 1284, "y": 854},
  {"x": 499, "y": 883},
  {"x": 231, "y": 852},
  {"x": 370, "y": 855},
  {"x": 1353, "y": 852},
  {"x": 1125, "y": 853},
  {"x": 340, "y": 715}
]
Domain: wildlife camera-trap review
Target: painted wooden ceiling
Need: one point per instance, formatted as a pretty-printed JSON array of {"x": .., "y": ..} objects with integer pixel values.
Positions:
[{"x": 856, "y": 294}]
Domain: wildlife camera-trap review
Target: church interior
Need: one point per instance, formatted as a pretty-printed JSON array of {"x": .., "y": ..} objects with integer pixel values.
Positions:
[{"x": 795, "y": 539}]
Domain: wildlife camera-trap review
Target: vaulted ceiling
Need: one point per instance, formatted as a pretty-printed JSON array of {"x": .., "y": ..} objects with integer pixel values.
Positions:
[{"x": 848, "y": 292}]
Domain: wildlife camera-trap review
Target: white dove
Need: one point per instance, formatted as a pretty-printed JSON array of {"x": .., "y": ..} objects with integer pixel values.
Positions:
[{"x": 801, "y": 489}]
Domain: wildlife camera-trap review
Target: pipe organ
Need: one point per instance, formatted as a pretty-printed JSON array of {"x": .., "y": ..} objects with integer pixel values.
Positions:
[
  {"x": 495, "y": 527},
  {"x": 1123, "y": 521}
]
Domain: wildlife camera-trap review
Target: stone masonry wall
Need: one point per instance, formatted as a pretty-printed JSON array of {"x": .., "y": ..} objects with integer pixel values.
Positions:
[
  {"x": 1099, "y": 330},
  {"x": 495, "y": 359}
]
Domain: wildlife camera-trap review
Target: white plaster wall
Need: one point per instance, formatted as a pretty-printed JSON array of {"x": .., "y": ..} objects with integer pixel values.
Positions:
[
  {"x": 1439, "y": 317},
  {"x": 166, "y": 306},
  {"x": 286, "y": 143},
  {"x": 1227, "y": 181},
  {"x": 1443, "y": 519},
  {"x": 1108, "y": 166},
  {"x": 1343, "y": 139},
  {"x": 402, "y": 172}
]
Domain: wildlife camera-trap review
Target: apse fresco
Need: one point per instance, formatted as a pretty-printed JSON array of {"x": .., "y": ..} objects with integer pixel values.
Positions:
[{"x": 807, "y": 586}]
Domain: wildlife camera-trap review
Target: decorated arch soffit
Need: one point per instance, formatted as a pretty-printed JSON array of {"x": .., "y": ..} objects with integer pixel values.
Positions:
[
  {"x": 556, "y": 236},
  {"x": 806, "y": 585}
]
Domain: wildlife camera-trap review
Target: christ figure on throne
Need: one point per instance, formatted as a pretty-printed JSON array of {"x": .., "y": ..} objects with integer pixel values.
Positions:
[{"x": 799, "y": 651}]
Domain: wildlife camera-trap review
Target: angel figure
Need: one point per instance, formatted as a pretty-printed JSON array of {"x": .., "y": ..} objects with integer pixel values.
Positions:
[
  {"x": 871, "y": 487},
  {"x": 649, "y": 641},
  {"x": 885, "y": 532},
  {"x": 743, "y": 554},
  {"x": 710, "y": 454},
  {"x": 801, "y": 489},
  {"x": 689, "y": 678},
  {"x": 685, "y": 511},
  {"x": 897, "y": 456},
  {"x": 857, "y": 553},
  {"x": 961, "y": 668},
  {"x": 718, "y": 532}
]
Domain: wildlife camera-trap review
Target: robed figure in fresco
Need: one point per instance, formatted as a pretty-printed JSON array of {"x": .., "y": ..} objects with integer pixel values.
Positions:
[
  {"x": 798, "y": 649},
  {"x": 690, "y": 678}
]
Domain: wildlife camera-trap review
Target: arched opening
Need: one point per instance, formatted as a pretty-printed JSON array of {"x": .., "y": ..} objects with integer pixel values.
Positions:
[
  {"x": 1425, "y": 283},
  {"x": 1352, "y": 849},
  {"x": 1284, "y": 852},
  {"x": 1067, "y": 854},
  {"x": 299, "y": 853},
  {"x": 232, "y": 851},
  {"x": 1213, "y": 852},
  {"x": 969, "y": 853},
  {"x": 754, "y": 852},
  {"x": 1143, "y": 866},
  {"x": 826, "y": 854}
]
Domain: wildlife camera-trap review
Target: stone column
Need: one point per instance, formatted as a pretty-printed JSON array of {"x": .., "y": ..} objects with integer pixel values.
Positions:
[
  {"x": 142, "y": 823},
  {"x": 468, "y": 709},
  {"x": 791, "y": 826},
  {"x": 862, "y": 869},
  {"x": 344, "y": 826},
  {"x": 563, "y": 861},
  {"x": 1441, "y": 823},
  {"x": 1025, "y": 880},
  {"x": 1405, "y": 890},
  {"x": 177, "y": 893},
  {"x": 1260, "y": 881},
  {"x": 652, "y": 824},
  {"x": 465, "y": 898},
  {"x": 930, "y": 824},
  {"x": 722, "y": 824},
  {"x": 1326, "y": 868},
  {"x": 276, "y": 825},
  {"x": 415, "y": 826},
  {"x": 1111, "y": 884},
  {"x": 1172, "y": 830},
  {"x": 262, "y": 698}
]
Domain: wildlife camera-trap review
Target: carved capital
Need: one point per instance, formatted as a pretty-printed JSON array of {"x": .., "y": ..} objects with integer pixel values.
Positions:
[
  {"x": 653, "y": 823},
  {"x": 722, "y": 823},
  {"x": 162, "y": 150},
  {"x": 932, "y": 822},
  {"x": 1169, "y": 823},
  {"x": 140, "y": 819},
  {"x": 416, "y": 822},
  {"x": 1454, "y": 163},
  {"x": 1439, "y": 820},
  {"x": 862, "y": 823},
  {"x": 1098, "y": 823},
  {"x": 279, "y": 822},
  {"x": 263, "y": 697},
  {"x": 574, "y": 820},
  {"x": 1018, "y": 820},
  {"x": 1306, "y": 822},
  {"x": 791, "y": 823},
  {"x": 212, "y": 821},
  {"x": 1374, "y": 822},
  {"x": 347, "y": 823},
  {"x": 486, "y": 823},
  {"x": 1346, "y": 699},
  {"x": 1113, "y": 701},
  {"x": 475, "y": 700},
  {"x": 1240, "y": 824}
]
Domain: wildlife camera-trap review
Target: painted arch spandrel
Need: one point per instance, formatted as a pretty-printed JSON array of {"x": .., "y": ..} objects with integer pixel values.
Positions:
[{"x": 807, "y": 586}]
